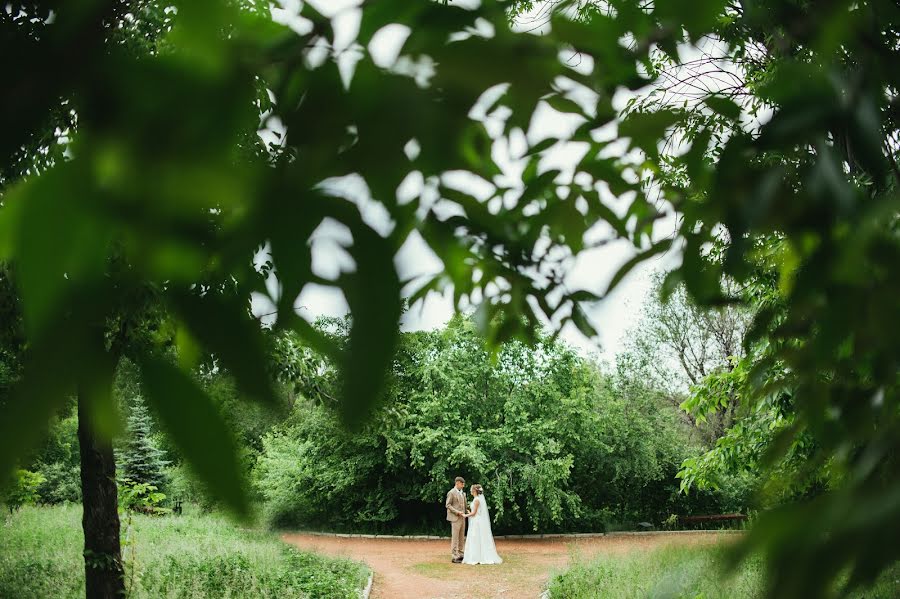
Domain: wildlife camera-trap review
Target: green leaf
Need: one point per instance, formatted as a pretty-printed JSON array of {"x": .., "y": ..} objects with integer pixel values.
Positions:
[
  {"x": 608, "y": 171},
  {"x": 646, "y": 129},
  {"x": 541, "y": 146},
  {"x": 698, "y": 17},
  {"x": 865, "y": 132},
  {"x": 373, "y": 294},
  {"x": 694, "y": 158},
  {"x": 540, "y": 185},
  {"x": 655, "y": 249},
  {"x": 60, "y": 246},
  {"x": 583, "y": 295},
  {"x": 52, "y": 365},
  {"x": 35, "y": 398},
  {"x": 565, "y": 105},
  {"x": 724, "y": 106},
  {"x": 580, "y": 319},
  {"x": 198, "y": 430},
  {"x": 223, "y": 324},
  {"x": 598, "y": 208}
]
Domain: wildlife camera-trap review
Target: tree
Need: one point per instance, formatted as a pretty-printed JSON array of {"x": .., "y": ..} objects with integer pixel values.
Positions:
[
  {"x": 557, "y": 443},
  {"x": 155, "y": 173},
  {"x": 224, "y": 228},
  {"x": 820, "y": 383},
  {"x": 140, "y": 460},
  {"x": 677, "y": 344}
]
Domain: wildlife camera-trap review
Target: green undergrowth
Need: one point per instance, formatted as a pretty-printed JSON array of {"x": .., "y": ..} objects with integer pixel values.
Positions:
[{"x": 193, "y": 555}]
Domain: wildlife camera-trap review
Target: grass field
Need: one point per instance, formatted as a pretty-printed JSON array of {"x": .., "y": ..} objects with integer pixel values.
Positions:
[
  {"x": 684, "y": 572},
  {"x": 192, "y": 555}
]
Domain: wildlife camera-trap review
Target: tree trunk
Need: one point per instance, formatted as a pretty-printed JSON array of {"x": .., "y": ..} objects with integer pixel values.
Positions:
[{"x": 103, "y": 573}]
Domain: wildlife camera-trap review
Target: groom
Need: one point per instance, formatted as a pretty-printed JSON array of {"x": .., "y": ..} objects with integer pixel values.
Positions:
[{"x": 456, "y": 515}]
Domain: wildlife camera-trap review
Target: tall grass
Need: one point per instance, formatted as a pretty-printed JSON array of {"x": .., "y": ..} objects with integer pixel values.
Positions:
[
  {"x": 192, "y": 555},
  {"x": 666, "y": 572},
  {"x": 695, "y": 572}
]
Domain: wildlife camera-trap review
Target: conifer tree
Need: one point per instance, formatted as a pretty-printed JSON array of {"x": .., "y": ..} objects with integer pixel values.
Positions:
[{"x": 141, "y": 460}]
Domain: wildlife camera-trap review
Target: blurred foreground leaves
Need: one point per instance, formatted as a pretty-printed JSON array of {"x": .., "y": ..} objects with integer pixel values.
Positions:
[{"x": 136, "y": 194}]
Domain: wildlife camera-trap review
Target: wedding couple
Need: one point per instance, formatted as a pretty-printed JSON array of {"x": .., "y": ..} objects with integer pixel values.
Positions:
[{"x": 479, "y": 543}]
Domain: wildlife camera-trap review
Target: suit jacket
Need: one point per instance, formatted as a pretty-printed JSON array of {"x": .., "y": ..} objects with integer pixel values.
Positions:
[{"x": 455, "y": 504}]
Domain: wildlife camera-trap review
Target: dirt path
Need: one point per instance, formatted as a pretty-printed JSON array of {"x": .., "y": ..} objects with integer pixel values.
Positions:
[{"x": 421, "y": 569}]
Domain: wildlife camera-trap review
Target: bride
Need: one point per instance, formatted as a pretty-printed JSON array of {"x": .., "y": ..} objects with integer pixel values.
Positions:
[{"x": 480, "y": 547}]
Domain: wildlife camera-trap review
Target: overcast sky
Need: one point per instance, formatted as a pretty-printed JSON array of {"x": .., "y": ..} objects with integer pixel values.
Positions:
[{"x": 592, "y": 270}]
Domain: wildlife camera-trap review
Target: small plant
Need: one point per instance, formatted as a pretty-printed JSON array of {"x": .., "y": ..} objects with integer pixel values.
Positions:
[
  {"x": 671, "y": 523},
  {"x": 136, "y": 497},
  {"x": 23, "y": 490},
  {"x": 140, "y": 497}
]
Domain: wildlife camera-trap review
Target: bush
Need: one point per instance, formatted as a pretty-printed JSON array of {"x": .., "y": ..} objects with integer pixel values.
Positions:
[
  {"x": 140, "y": 497},
  {"x": 23, "y": 489},
  {"x": 62, "y": 483},
  {"x": 58, "y": 460}
]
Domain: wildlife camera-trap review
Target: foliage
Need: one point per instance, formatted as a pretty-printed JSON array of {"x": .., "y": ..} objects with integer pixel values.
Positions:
[
  {"x": 677, "y": 344},
  {"x": 790, "y": 166},
  {"x": 250, "y": 421},
  {"x": 137, "y": 159},
  {"x": 168, "y": 194},
  {"x": 141, "y": 462},
  {"x": 57, "y": 460},
  {"x": 555, "y": 443},
  {"x": 22, "y": 490},
  {"x": 141, "y": 497},
  {"x": 183, "y": 485},
  {"x": 62, "y": 483},
  {"x": 189, "y": 556}
]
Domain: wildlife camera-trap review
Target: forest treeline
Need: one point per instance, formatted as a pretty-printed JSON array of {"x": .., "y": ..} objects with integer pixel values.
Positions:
[{"x": 561, "y": 442}]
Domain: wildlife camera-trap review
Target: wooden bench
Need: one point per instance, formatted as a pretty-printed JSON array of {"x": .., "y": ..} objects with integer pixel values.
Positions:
[{"x": 712, "y": 518}]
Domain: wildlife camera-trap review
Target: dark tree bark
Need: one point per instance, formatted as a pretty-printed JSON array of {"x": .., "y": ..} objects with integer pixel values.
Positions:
[{"x": 103, "y": 572}]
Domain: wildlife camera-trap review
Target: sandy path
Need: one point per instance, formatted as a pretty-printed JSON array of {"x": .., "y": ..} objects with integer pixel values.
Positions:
[{"x": 421, "y": 569}]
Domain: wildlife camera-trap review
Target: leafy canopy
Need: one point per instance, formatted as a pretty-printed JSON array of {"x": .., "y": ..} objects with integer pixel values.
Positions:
[{"x": 165, "y": 175}]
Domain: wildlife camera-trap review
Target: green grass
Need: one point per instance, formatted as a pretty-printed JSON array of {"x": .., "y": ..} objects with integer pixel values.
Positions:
[
  {"x": 192, "y": 555},
  {"x": 683, "y": 572},
  {"x": 444, "y": 570},
  {"x": 666, "y": 572}
]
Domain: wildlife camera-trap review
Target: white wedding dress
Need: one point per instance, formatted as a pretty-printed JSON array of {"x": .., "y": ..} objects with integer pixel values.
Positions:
[{"x": 480, "y": 547}]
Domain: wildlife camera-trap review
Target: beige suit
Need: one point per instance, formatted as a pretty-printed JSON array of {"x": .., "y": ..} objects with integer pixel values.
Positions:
[{"x": 456, "y": 509}]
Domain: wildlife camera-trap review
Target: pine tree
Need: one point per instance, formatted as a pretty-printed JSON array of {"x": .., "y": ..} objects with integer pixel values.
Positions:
[{"x": 141, "y": 460}]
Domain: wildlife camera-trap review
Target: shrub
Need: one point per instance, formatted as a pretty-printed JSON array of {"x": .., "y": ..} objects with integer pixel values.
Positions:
[
  {"x": 23, "y": 489},
  {"x": 62, "y": 483}
]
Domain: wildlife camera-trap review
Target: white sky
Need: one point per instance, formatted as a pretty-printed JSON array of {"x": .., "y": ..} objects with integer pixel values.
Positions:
[{"x": 592, "y": 270}]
